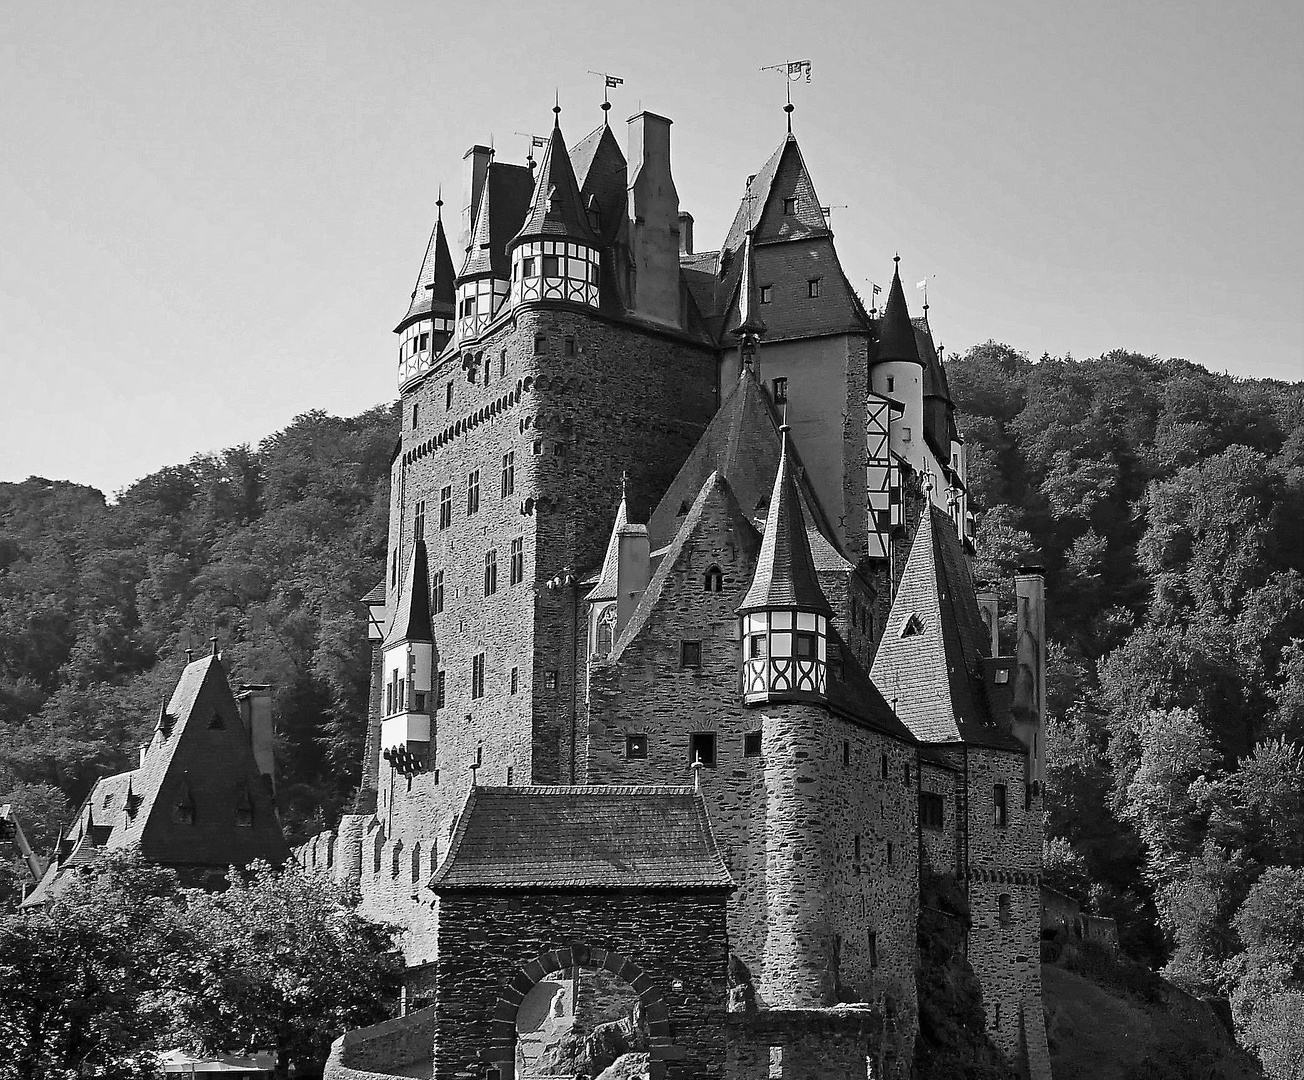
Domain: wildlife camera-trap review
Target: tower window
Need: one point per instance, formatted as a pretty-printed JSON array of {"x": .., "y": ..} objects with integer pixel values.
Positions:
[
  {"x": 509, "y": 473},
  {"x": 804, "y": 643},
  {"x": 1003, "y": 909},
  {"x": 752, "y": 744},
  {"x": 790, "y": 205},
  {"x": 873, "y": 949},
  {"x": 393, "y": 570},
  {"x": 414, "y": 417},
  {"x": 635, "y": 747},
  {"x": 846, "y": 752},
  {"x": 491, "y": 572},
  {"x": 477, "y": 676},
  {"x": 502, "y": 363},
  {"x": 813, "y": 287},
  {"x": 448, "y": 396},
  {"x": 516, "y": 680},
  {"x": 767, "y": 294},
  {"x": 714, "y": 580},
  {"x": 905, "y": 775},
  {"x": 419, "y": 522},
  {"x": 568, "y": 346},
  {"x": 538, "y": 447},
  {"x": 690, "y": 654},
  {"x": 441, "y": 685},
  {"x": 882, "y": 765},
  {"x": 780, "y": 390},
  {"x": 551, "y": 266},
  {"x": 518, "y": 561},
  {"x": 550, "y": 680},
  {"x": 914, "y": 626},
  {"x": 932, "y": 810},
  {"x": 758, "y": 647},
  {"x": 891, "y": 384},
  {"x": 856, "y": 848},
  {"x": 701, "y": 747},
  {"x": 889, "y": 853},
  {"x": 425, "y": 342},
  {"x": 530, "y": 266},
  {"x": 538, "y": 344},
  {"x": 1001, "y": 814},
  {"x": 473, "y": 493},
  {"x": 437, "y": 593},
  {"x": 446, "y": 506}
]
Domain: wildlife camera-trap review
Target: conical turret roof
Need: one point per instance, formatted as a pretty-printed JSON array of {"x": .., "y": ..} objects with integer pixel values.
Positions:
[
  {"x": 555, "y": 209},
  {"x": 412, "y": 619},
  {"x": 503, "y": 206},
  {"x": 785, "y": 571},
  {"x": 435, "y": 288},
  {"x": 896, "y": 333}
]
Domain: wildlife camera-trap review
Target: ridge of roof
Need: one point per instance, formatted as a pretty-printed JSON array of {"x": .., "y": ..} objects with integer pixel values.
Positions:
[
  {"x": 411, "y": 620},
  {"x": 785, "y": 575},
  {"x": 435, "y": 290},
  {"x": 555, "y": 209}
]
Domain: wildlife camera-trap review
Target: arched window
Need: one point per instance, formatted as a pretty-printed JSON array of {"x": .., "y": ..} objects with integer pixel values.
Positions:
[
  {"x": 606, "y": 632},
  {"x": 714, "y": 580},
  {"x": 416, "y": 862}
]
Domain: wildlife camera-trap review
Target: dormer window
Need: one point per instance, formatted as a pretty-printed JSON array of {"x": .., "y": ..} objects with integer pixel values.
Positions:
[
  {"x": 766, "y": 294},
  {"x": 790, "y": 205},
  {"x": 913, "y": 628},
  {"x": 714, "y": 581}
]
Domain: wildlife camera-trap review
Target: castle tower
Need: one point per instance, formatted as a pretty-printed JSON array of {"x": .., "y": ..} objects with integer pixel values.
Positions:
[
  {"x": 425, "y": 329},
  {"x": 555, "y": 255},
  {"x": 407, "y": 733},
  {"x": 898, "y": 373}
]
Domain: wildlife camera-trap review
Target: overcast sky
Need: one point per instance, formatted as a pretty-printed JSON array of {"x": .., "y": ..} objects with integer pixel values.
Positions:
[{"x": 211, "y": 214}]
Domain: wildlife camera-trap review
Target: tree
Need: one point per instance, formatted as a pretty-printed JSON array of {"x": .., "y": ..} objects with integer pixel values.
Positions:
[{"x": 282, "y": 961}]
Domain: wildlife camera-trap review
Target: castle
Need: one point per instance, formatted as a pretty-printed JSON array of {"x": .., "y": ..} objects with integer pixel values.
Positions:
[{"x": 680, "y": 681}]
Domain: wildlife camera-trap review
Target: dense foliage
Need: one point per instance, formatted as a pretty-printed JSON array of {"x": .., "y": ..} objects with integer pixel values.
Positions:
[
  {"x": 1167, "y": 504},
  {"x": 124, "y": 964},
  {"x": 267, "y": 549}
]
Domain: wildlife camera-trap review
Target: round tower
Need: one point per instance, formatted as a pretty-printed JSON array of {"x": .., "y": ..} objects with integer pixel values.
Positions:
[
  {"x": 426, "y": 328},
  {"x": 898, "y": 373}
]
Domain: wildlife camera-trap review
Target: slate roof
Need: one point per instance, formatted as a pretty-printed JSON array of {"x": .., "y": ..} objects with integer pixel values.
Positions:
[
  {"x": 503, "y": 206},
  {"x": 607, "y": 586},
  {"x": 935, "y": 676},
  {"x": 555, "y": 209},
  {"x": 855, "y": 695},
  {"x": 784, "y": 176},
  {"x": 896, "y": 333},
  {"x": 376, "y": 593},
  {"x": 582, "y": 838},
  {"x": 603, "y": 175},
  {"x": 435, "y": 289},
  {"x": 785, "y": 574},
  {"x": 411, "y": 620},
  {"x": 749, "y": 319},
  {"x": 935, "y": 384}
]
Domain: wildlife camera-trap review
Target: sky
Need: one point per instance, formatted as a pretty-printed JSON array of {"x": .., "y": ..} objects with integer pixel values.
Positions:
[{"x": 212, "y": 214}]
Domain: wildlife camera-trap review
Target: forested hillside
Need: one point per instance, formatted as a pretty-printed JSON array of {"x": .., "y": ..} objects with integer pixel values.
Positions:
[{"x": 1166, "y": 502}]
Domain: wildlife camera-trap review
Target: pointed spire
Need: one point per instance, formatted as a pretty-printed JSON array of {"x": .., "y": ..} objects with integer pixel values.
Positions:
[
  {"x": 435, "y": 288},
  {"x": 896, "y": 333},
  {"x": 556, "y": 210},
  {"x": 785, "y": 575},
  {"x": 608, "y": 584},
  {"x": 412, "y": 619}
]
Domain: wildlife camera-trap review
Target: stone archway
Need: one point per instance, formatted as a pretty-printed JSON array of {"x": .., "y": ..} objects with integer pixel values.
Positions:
[{"x": 656, "y": 1023}]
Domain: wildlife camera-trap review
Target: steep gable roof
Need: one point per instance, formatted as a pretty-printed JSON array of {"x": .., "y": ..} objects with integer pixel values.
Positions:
[
  {"x": 412, "y": 615},
  {"x": 785, "y": 574},
  {"x": 929, "y": 659},
  {"x": 607, "y": 586},
  {"x": 503, "y": 206},
  {"x": 555, "y": 209},
  {"x": 435, "y": 290},
  {"x": 762, "y": 208},
  {"x": 602, "y": 173},
  {"x": 590, "y": 837},
  {"x": 896, "y": 333}
]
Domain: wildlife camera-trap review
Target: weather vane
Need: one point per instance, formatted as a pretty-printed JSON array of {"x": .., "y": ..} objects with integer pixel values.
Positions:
[
  {"x": 794, "y": 70},
  {"x": 609, "y": 83}
]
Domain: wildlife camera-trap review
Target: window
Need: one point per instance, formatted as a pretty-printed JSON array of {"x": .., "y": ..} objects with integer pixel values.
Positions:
[
  {"x": 914, "y": 627},
  {"x": 780, "y": 390},
  {"x": 550, "y": 680},
  {"x": 889, "y": 853},
  {"x": 690, "y": 654},
  {"x": 468, "y": 305},
  {"x": 440, "y": 690},
  {"x": 448, "y": 396},
  {"x": 752, "y": 744},
  {"x": 530, "y": 266},
  {"x": 509, "y": 473},
  {"x": 551, "y": 266},
  {"x": 714, "y": 580},
  {"x": 473, "y": 493},
  {"x": 491, "y": 572},
  {"x": 846, "y": 752},
  {"x": 905, "y": 434},
  {"x": 767, "y": 294},
  {"x": 437, "y": 593},
  {"x": 558, "y": 449},
  {"x": 882, "y": 766},
  {"x": 419, "y": 522},
  {"x": 502, "y": 363},
  {"x": 873, "y": 949},
  {"x": 932, "y": 810},
  {"x": 568, "y": 346},
  {"x": 1003, "y": 909},
  {"x": 998, "y": 1016},
  {"x": 856, "y": 848},
  {"x": 414, "y": 417},
  {"x": 635, "y": 747},
  {"x": 905, "y": 775},
  {"x": 790, "y": 205},
  {"x": 1003, "y": 677},
  {"x": 518, "y": 561},
  {"x": 477, "y": 676},
  {"x": 539, "y": 342},
  {"x": 420, "y": 703},
  {"x": 538, "y": 447},
  {"x": 812, "y": 287},
  {"x": 805, "y": 643},
  {"x": 998, "y": 803},
  {"x": 891, "y": 384},
  {"x": 446, "y": 506},
  {"x": 516, "y": 680},
  {"x": 393, "y": 570},
  {"x": 701, "y": 747}
]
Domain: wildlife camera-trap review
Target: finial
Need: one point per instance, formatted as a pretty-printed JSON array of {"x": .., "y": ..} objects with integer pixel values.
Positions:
[
  {"x": 897, "y": 258},
  {"x": 475, "y": 768},
  {"x": 606, "y": 108},
  {"x": 697, "y": 767},
  {"x": 439, "y": 204},
  {"x": 213, "y": 639},
  {"x": 190, "y": 656},
  {"x": 789, "y": 109},
  {"x": 556, "y": 108},
  {"x": 624, "y": 483},
  {"x": 784, "y": 426}
]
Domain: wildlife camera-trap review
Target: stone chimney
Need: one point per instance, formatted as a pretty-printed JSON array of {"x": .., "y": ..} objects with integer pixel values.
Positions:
[
  {"x": 475, "y": 166},
  {"x": 685, "y": 233},
  {"x": 1030, "y": 669},
  {"x": 653, "y": 221},
  {"x": 255, "y": 704},
  {"x": 633, "y": 572},
  {"x": 987, "y": 608}
]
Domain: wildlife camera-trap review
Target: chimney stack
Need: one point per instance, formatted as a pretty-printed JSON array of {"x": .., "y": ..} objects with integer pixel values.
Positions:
[
  {"x": 1030, "y": 669},
  {"x": 988, "y": 609},
  {"x": 475, "y": 166},
  {"x": 633, "y": 571},
  {"x": 685, "y": 233},
  {"x": 255, "y": 704},
  {"x": 653, "y": 221}
]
